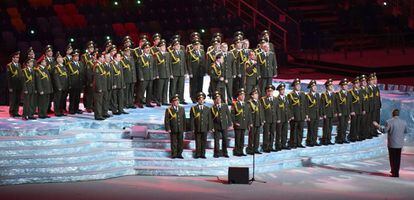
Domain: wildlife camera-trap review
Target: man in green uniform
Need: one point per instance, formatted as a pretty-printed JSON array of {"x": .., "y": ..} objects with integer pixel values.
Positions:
[
  {"x": 201, "y": 124},
  {"x": 60, "y": 83},
  {"x": 297, "y": 103},
  {"x": 366, "y": 109},
  {"x": 174, "y": 122},
  {"x": 217, "y": 74},
  {"x": 230, "y": 70},
  {"x": 29, "y": 90},
  {"x": 147, "y": 72},
  {"x": 211, "y": 58},
  {"x": 241, "y": 119},
  {"x": 283, "y": 118},
  {"x": 268, "y": 66},
  {"x": 107, "y": 94},
  {"x": 129, "y": 70},
  {"x": 343, "y": 107},
  {"x": 118, "y": 85},
  {"x": 375, "y": 98},
  {"x": 257, "y": 119},
  {"x": 312, "y": 114},
  {"x": 221, "y": 122},
  {"x": 75, "y": 70},
  {"x": 43, "y": 86},
  {"x": 266, "y": 36},
  {"x": 269, "y": 104},
  {"x": 327, "y": 111},
  {"x": 100, "y": 87},
  {"x": 356, "y": 111},
  {"x": 179, "y": 70},
  {"x": 87, "y": 61},
  {"x": 196, "y": 68},
  {"x": 14, "y": 80},
  {"x": 240, "y": 59},
  {"x": 251, "y": 73},
  {"x": 163, "y": 65}
]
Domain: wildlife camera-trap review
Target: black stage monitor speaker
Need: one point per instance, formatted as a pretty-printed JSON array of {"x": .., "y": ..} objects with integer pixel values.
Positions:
[{"x": 238, "y": 175}]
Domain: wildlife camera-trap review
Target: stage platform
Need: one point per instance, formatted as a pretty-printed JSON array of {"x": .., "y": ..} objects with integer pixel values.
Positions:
[{"x": 78, "y": 148}]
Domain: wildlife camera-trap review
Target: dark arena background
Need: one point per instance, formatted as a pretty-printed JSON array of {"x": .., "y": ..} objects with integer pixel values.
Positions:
[{"x": 105, "y": 99}]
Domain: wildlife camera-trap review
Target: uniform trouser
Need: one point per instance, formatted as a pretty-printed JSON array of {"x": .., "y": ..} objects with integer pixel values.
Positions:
[
  {"x": 57, "y": 100},
  {"x": 229, "y": 90},
  {"x": 239, "y": 141},
  {"x": 369, "y": 126},
  {"x": 237, "y": 84},
  {"x": 196, "y": 85},
  {"x": 14, "y": 101},
  {"x": 28, "y": 107},
  {"x": 106, "y": 101},
  {"x": 98, "y": 104},
  {"x": 49, "y": 104},
  {"x": 327, "y": 130},
  {"x": 342, "y": 127},
  {"x": 63, "y": 100},
  {"x": 395, "y": 160},
  {"x": 296, "y": 133},
  {"x": 136, "y": 92},
  {"x": 377, "y": 115},
  {"x": 146, "y": 87},
  {"x": 265, "y": 81},
  {"x": 117, "y": 100},
  {"x": 74, "y": 99},
  {"x": 281, "y": 135},
  {"x": 176, "y": 143},
  {"x": 88, "y": 97},
  {"x": 269, "y": 130},
  {"x": 177, "y": 87},
  {"x": 354, "y": 132},
  {"x": 373, "y": 118},
  {"x": 201, "y": 143},
  {"x": 162, "y": 90},
  {"x": 312, "y": 135},
  {"x": 254, "y": 137},
  {"x": 43, "y": 104},
  {"x": 223, "y": 135},
  {"x": 250, "y": 85},
  {"x": 129, "y": 95}
]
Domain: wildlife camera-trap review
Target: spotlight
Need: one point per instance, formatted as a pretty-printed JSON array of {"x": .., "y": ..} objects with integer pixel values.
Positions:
[
  {"x": 32, "y": 32},
  {"x": 384, "y": 3},
  {"x": 115, "y": 3},
  {"x": 139, "y": 2},
  {"x": 202, "y": 30},
  {"x": 108, "y": 38},
  {"x": 72, "y": 40}
]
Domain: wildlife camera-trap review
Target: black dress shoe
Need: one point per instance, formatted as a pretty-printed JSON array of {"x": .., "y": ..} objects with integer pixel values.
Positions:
[
  {"x": 106, "y": 116},
  {"x": 79, "y": 112},
  {"x": 250, "y": 153},
  {"x": 32, "y": 118},
  {"x": 346, "y": 142},
  {"x": 140, "y": 106},
  {"x": 99, "y": 118},
  {"x": 123, "y": 112},
  {"x": 258, "y": 152},
  {"x": 116, "y": 113},
  {"x": 243, "y": 154},
  {"x": 25, "y": 118},
  {"x": 203, "y": 157},
  {"x": 317, "y": 144},
  {"x": 330, "y": 143},
  {"x": 17, "y": 115},
  {"x": 274, "y": 150},
  {"x": 149, "y": 105},
  {"x": 301, "y": 146},
  {"x": 226, "y": 156},
  {"x": 72, "y": 113},
  {"x": 215, "y": 156},
  {"x": 180, "y": 157}
]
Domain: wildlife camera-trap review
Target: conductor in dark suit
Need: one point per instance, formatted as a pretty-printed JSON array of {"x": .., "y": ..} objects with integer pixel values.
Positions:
[{"x": 395, "y": 128}]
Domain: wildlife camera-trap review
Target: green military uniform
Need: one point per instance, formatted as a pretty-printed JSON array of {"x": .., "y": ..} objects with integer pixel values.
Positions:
[
  {"x": 196, "y": 68},
  {"x": 14, "y": 80},
  {"x": 269, "y": 105},
  {"x": 88, "y": 64},
  {"x": 60, "y": 83},
  {"x": 343, "y": 108},
  {"x": 118, "y": 85},
  {"x": 221, "y": 121},
  {"x": 50, "y": 62},
  {"x": 147, "y": 72},
  {"x": 327, "y": 111},
  {"x": 283, "y": 115},
  {"x": 129, "y": 70},
  {"x": 163, "y": 64},
  {"x": 229, "y": 66},
  {"x": 174, "y": 123},
  {"x": 44, "y": 88},
  {"x": 100, "y": 87},
  {"x": 217, "y": 82},
  {"x": 297, "y": 103},
  {"x": 251, "y": 74},
  {"x": 313, "y": 114},
  {"x": 257, "y": 121},
  {"x": 29, "y": 91},
  {"x": 375, "y": 100},
  {"x": 268, "y": 68},
  {"x": 201, "y": 123},
  {"x": 76, "y": 80},
  {"x": 356, "y": 113},
  {"x": 178, "y": 69},
  {"x": 107, "y": 94},
  {"x": 241, "y": 119}
]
